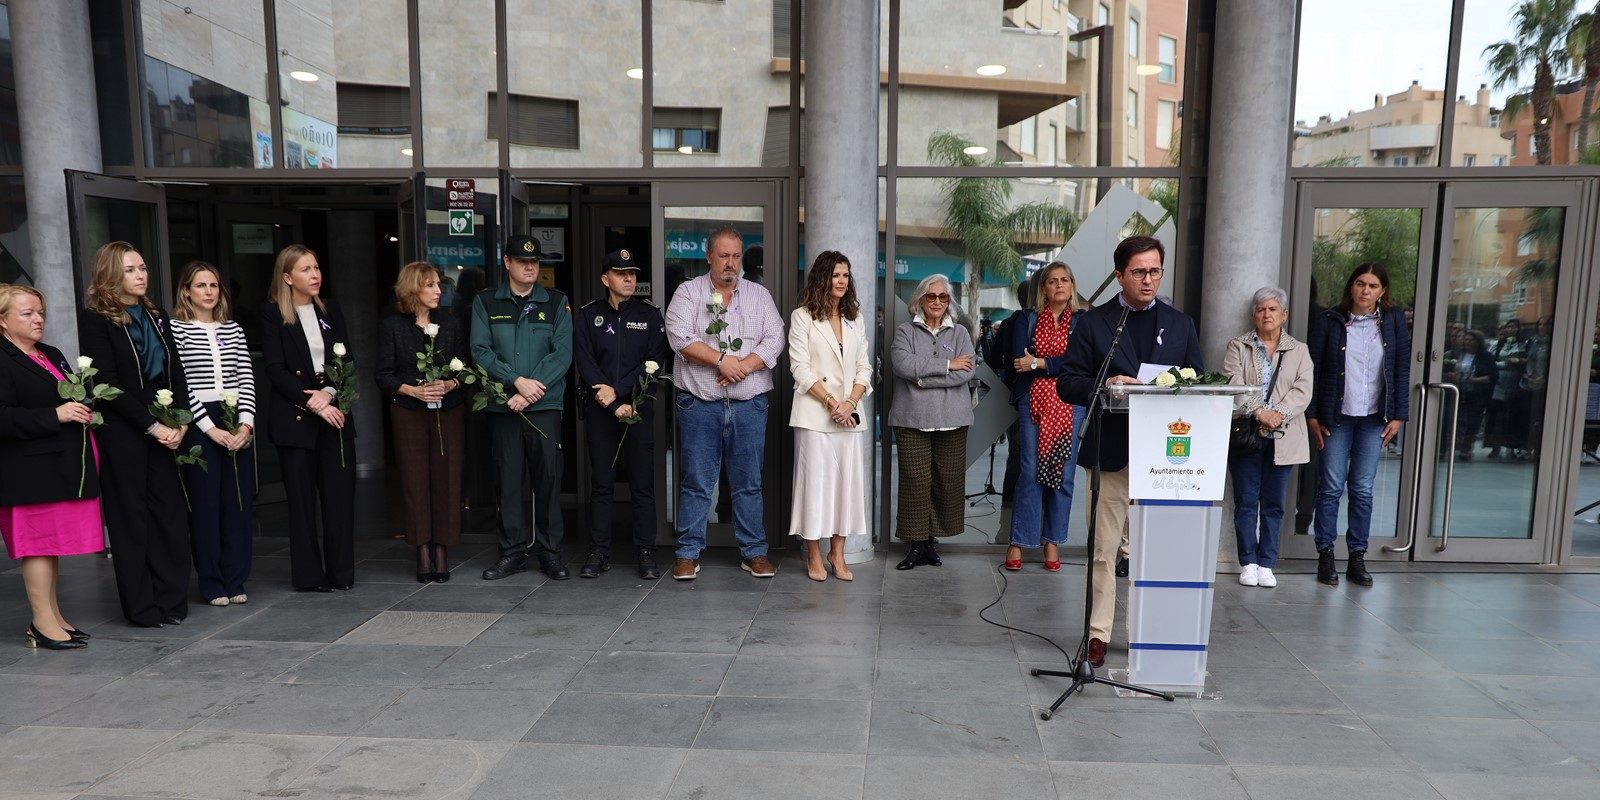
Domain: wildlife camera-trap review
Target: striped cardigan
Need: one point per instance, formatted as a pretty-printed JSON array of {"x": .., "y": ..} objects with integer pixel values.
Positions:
[{"x": 215, "y": 359}]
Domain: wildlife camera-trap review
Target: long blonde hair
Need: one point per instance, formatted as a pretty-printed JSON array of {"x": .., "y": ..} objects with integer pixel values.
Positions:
[
  {"x": 184, "y": 308},
  {"x": 1074, "y": 303},
  {"x": 104, "y": 295},
  {"x": 280, "y": 292}
]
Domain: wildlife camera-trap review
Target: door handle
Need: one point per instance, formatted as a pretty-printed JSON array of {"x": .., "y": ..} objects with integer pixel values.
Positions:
[
  {"x": 1419, "y": 391},
  {"x": 1450, "y": 466}
]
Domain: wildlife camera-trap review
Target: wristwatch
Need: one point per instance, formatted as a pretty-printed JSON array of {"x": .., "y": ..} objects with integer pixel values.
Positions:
[{"x": 1035, "y": 363}]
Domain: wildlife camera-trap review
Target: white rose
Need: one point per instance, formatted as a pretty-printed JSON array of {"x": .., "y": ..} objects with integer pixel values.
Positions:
[
  {"x": 716, "y": 298},
  {"x": 430, "y": 330},
  {"x": 164, "y": 397},
  {"x": 455, "y": 365},
  {"x": 1188, "y": 373},
  {"x": 84, "y": 362},
  {"x": 1165, "y": 379},
  {"x": 230, "y": 398},
  {"x": 338, "y": 350},
  {"x": 650, "y": 367}
]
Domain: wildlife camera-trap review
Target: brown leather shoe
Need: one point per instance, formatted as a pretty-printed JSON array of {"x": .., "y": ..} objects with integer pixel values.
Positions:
[
  {"x": 760, "y": 567},
  {"x": 1097, "y": 653},
  {"x": 684, "y": 569}
]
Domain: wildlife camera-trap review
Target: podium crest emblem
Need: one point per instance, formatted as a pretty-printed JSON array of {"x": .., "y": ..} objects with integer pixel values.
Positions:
[{"x": 1178, "y": 442}]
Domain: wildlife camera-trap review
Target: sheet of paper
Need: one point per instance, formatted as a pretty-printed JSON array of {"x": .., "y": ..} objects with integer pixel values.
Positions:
[{"x": 1148, "y": 372}]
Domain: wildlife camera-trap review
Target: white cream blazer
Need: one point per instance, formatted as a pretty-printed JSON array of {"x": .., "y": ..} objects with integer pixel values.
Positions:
[{"x": 814, "y": 355}]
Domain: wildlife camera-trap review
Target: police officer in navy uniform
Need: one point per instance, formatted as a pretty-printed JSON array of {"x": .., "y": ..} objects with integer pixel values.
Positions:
[
  {"x": 522, "y": 336},
  {"x": 615, "y": 338}
]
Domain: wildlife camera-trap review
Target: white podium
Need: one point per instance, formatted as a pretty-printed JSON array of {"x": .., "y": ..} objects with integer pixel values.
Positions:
[{"x": 1177, "y": 471}]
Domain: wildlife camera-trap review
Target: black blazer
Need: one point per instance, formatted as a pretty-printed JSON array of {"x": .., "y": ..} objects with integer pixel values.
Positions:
[
  {"x": 401, "y": 340},
  {"x": 287, "y": 359},
  {"x": 111, "y": 347},
  {"x": 1179, "y": 346},
  {"x": 39, "y": 456}
]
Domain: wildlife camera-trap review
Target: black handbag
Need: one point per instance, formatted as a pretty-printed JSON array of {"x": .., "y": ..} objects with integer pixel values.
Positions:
[{"x": 1244, "y": 437}]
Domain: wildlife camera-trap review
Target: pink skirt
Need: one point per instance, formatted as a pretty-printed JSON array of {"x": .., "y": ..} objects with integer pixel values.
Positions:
[{"x": 65, "y": 528}]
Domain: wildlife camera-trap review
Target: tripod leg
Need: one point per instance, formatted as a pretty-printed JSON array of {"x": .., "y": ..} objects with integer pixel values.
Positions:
[
  {"x": 1168, "y": 696},
  {"x": 1077, "y": 686}
]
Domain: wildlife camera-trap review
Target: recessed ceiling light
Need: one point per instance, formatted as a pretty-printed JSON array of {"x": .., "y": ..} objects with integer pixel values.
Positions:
[
  {"x": 394, "y": 238},
  {"x": 975, "y": 150},
  {"x": 637, "y": 73},
  {"x": 686, "y": 150},
  {"x": 991, "y": 70},
  {"x": 1148, "y": 69},
  {"x": 405, "y": 151},
  {"x": 302, "y": 75}
]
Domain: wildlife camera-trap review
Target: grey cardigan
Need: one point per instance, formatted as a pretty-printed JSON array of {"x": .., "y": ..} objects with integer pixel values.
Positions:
[{"x": 927, "y": 394}]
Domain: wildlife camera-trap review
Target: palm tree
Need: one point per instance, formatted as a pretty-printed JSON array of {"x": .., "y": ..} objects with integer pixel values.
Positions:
[
  {"x": 1586, "y": 43},
  {"x": 1540, "y": 43},
  {"x": 978, "y": 213}
]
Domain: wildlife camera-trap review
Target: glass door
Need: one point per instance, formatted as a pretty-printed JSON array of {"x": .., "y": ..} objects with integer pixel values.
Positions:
[
  {"x": 683, "y": 215},
  {"x": 104, "y": 209}
]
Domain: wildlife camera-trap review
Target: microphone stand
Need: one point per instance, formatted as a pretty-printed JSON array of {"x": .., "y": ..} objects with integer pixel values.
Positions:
[{"x": 1082, "y": 672}]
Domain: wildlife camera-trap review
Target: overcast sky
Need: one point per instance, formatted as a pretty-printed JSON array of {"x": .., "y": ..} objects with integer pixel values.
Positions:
[{"x": 1353, "y": 49}]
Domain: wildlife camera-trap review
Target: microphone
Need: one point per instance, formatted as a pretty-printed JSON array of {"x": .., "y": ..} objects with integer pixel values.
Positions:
[{"x": 1116, "y": 338}]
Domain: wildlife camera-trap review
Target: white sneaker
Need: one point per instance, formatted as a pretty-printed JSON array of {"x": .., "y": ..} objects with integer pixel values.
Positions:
[
  {"x": 239, "y": 599},
  {"x": 1265, "y": 579},
  {"x": 1249, "y": 576},
  {"x": 219, "y": 601}
]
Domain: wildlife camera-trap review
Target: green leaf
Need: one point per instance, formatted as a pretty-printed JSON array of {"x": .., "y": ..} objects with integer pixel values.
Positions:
[
  {"x": 97, "y": 420},
  {"x": 736, "y": 344},
  {"x": 70, "y": 391},
  {"x": 106, "y": 392}
]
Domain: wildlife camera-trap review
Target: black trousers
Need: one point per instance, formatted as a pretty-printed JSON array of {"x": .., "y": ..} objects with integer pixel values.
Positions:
[
  {"x": 148, "y": 523},
  {"x": 222, "y": 500},
  {"x": 519, "y": 451},
  {"x": 310, "y": 476},
  {"x": 636, "y": 463}
]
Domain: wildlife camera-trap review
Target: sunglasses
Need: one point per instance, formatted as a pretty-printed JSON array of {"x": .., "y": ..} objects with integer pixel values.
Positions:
[{"x": 937, "y": 298}]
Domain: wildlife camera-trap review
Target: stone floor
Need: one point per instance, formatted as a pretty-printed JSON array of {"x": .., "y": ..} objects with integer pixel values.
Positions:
[{"x": 1429, "y": 685}]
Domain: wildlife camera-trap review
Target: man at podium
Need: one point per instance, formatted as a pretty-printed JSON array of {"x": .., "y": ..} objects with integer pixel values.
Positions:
[{"x": 1154, "y": 336}]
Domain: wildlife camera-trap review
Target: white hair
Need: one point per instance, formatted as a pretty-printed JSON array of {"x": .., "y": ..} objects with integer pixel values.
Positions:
[
  {"x": 924, "y": 286},
  {"x": 1266, "y": 293}
]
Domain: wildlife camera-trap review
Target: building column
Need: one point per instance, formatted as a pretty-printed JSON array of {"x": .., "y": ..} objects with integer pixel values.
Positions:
[
  {"x": 60, "y": 129},
  {"x": 1246, "y": 180},
  {"x": 841, "y": 199}
]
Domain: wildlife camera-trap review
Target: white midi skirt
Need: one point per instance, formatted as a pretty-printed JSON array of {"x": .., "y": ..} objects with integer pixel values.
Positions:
[{"x": 830, "y": 484}]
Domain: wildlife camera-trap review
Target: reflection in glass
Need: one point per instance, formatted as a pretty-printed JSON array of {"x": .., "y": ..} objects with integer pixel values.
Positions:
[
  {"x": 205, "y": 71},
  {"x": 575, "y": 103},
  {"x": 16, "y": 261},
  {"x": 1586, "y": 520},
  {"x": 344, "y": 78},
  {"x": 715, "y": 80},
  {"x": 1529, "y": 59},
  {"x": 458, "y": 83}
]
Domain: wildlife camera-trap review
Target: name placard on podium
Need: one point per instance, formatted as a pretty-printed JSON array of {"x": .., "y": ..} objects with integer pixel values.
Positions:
[{"x": 1178, "y": 445}]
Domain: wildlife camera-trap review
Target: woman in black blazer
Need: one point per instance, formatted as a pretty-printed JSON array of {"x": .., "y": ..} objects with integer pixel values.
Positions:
[
  {"x": 425, "y": 416},
  {"x": 130, "y": 341},
  {"x": 48, "y": 500},
  {"x": 300, "y": 333}
]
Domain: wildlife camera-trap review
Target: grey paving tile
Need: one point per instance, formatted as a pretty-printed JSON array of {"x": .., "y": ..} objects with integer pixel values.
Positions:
[
  {"x": 949, "y": 580},
  {"x": 301, "y": 709},
  {"x": 1529, "y": 595},
  {"x": 892, "y": 777},
  {"x": 299, "y": 624},
  {"x": 1268, "y": 690},
  {"x": 203, "y": 621},
  {"x": 948, "y": 681},
  {"x": 564, "y": 771},
  {"x": 29, "y": 697},
  {"x": 786, "y": 724},
  {"x": 958, "y": 642},
  {"x": 153, "y": 703},
  {"x": 1152, "y": 735},
  {"x": 1392, "y": 653},
  {"x": 619, "y": 602},
  {"x": 1465, "y": 623},
  {"x": 1415, "y": 694},
  {"x": 633, "y": 671},
  {"x": 366, "y": 595},
  {"x": 695, "y": 602},
  {"x": 808, "y": 607},
  {"x": 507, "y": 668},
  {"x": 819, "y": 638},
  {"x": 479, "y": 599},
  {"x": 1329, "y": 783},
  {"x": 1298, "y": 739},
  {"x": 1581, "y": 739},
  {"x": 220, "y": 766},
  {"x": 368, "y": 665},
  {"x": 821, "y": 678},
  {"x": 1296, "y": 589},
  {"x": 1044, "y": 689},
  {"x": 725, "y": 775},
  {"x": 627, "y": 720},
  {"x": 1519, "y": 657},
  {"x": 94, "y": 754},
  {"x": 1232, "y": 618},
  {"x": 935, "y": 609},
  {"x": 1108, "y": 779},
  {"x": 502, "y": 715},
  {"x": 679, "y": 635},
  {"x": 106, "y": 656},
  {"x": 234, "y": 660},
  {"x": 364, "y": 768},
  {"x": 715, "y": 574},
  {"x": 1477, "y": 786},
  {"x": 420, "y": 628},
  {"x": 1566, "y": 626},
  {"x": 548, "y": 631},
  {"x": 1248, "y": 651},
  {"x": 1537, "y": 697},
  {"x": 1587, "y": 653},
  {"x": 976, "y": 730},
  {"x": 1319, "y": 620},
  {"x": 868, "y": 580},
  {"x": 1499, "y": 746}
]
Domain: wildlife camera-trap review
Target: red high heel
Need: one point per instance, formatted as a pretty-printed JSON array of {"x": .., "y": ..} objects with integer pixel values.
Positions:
[
  {"x": 1052, "y": 566},
  {"x": 1012, "y": 566}
]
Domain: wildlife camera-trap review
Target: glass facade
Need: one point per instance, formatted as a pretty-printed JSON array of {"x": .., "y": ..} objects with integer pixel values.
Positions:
[{"x": 203, "y": 79}]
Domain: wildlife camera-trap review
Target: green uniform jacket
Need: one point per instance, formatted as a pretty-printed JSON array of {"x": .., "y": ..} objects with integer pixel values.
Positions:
[{"x": 524, "y": 340}]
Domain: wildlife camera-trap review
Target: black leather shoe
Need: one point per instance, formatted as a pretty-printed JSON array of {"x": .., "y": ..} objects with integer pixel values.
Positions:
[
  {"x": 172, "y": 619},
  {"x": 595, "y": 565},
  {"x": 552, "y": 567},
  {"x": 39, "y": 641},
  {"x": 344, "y": 587},
  {"x": 1122, "y": 567},
  {"x": 930, "y": 553},
  {"x": 440, "y": 577},
  {"x": 913, "y": 557},
  {"x": 1357, "y": 571},
  {"x": 322, "y": 589},
  {"x": 1327, "y": 569},
  {"x": 648, "y": 571},
  {"x": 82, "y": 636},
  {"x": 1097, "y": 653},
  {"x": 506, "y": 567}
]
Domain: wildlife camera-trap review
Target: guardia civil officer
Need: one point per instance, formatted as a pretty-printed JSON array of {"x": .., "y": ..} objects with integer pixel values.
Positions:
[
  {"x": 615, "y": 338},
  {"x": 522, "y": 336}
]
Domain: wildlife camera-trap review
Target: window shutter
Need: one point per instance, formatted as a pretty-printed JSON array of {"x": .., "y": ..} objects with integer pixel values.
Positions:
[
  {"x": 538, "y": 121},
  {"x": 366, "y": 108}
]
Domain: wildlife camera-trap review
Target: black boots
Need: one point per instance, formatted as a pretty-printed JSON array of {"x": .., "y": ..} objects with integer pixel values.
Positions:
[
  {"x": 647, "y": 564},
  {"x": 1327, "y": 570},
  {"x": 914, "y": 556},
  {"x": 597, "y": 563},
  {"x": 1357, "y": 571},
  {"x": 930, "y": 554}
]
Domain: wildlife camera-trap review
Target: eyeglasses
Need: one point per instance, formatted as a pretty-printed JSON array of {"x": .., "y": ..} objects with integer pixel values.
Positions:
[
  {"x": 1154, "y": 273},
  {"x": 937, "y": 298}
]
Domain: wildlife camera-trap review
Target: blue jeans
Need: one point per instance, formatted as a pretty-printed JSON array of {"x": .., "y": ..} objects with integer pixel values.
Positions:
[
  {"x": 1349, "y": 460},
  {"x": 1258, "y": 490},
  {"x": 710, "y": 432},
  {"x": 1036, "y": 512}
]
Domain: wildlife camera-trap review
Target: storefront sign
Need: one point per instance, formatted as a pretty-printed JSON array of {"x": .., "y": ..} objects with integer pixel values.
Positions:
[
  {"x": 460, "y": 193},
  {"x": 461, "y": 223},
  {"x": 309, "y": 142},
  {"x": 252, "y": 238},
  {"x": 446, "y": 252}
]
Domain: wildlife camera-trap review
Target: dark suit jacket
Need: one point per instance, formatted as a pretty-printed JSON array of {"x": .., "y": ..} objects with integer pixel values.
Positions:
[
  {"x": 39, "y": 456},
  {"x": 111, "y": 347},
  {"x": 1106, "y": 445},
  {"x": 287, "y": 359},
  {"x": 399, "y": 342}
]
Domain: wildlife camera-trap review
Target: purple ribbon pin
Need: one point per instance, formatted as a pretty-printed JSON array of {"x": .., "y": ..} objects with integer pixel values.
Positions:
[{"x": 324, "y": 324}]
